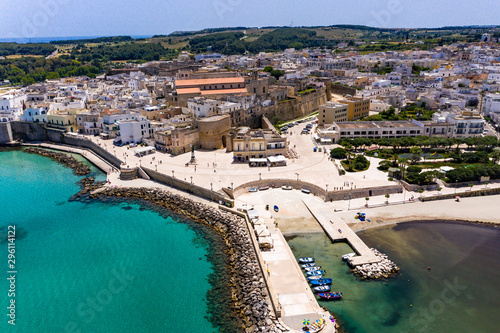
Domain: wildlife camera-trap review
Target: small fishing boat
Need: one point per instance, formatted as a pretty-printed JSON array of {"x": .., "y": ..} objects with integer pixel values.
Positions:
[
  {"x": 322, "y": 289},
  {"x": 308, "y": 265},
  {"x": 321, "y": 282},
  {"x": 348, "y": 255},
  {"x": 263, "y": 188},
  {"x": 287, "y": 187},
  {"x": 319, "y": 272},
  {"x": 335, "y": 295},
  {"x": 253, "y": 189},
  {"x": 276, "y": 209},
  {"x": 305, "y": 190},
  {"x": 306, "y": 260},
  {"x": 314, "y": 277},
  {"x": 312, "y": 269}
]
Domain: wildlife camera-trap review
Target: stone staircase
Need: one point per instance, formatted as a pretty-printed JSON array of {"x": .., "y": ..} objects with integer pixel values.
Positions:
[{"x": 128, "y": 174}]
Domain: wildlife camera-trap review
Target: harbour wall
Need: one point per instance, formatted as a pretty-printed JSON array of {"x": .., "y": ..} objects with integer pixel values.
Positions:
[
  {"x": 188, "y": 187},
  {"x": 316, "y": 190},
  {"x": 5, "y": 133}
]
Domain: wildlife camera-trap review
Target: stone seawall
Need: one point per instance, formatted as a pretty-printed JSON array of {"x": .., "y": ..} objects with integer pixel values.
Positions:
[
  {"x": 317, "y": 190},
  {"x": 84, "y": 143},
  {"x": 188, "y": 187},
  {"x": 5, "y": 133},
  {"x": 250, "y": 299},
  {"x": 489, "y": 191}
]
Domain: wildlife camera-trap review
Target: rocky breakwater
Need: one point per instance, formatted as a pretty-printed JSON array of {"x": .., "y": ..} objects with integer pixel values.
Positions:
[
  {"x": 383, "y": 269},
  {"x": 250, "y": 300},
  {"x": 78, "y": 167}
]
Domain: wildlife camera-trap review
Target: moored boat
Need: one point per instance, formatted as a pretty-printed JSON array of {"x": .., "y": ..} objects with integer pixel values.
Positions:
[
  {"x": 308, "y": 265},
  {"x": 253, "y": 189},
  {"x": 348, "y": 255},
  {"x": 314, "y": 277},
  {"x": 335, "y": 295},
  {"x": 305, "y": 190},
  {"x": 322, "y": 289},
  {"x": 312, "y": 269},
  {"x": 263, "y": 188},
  {"x": 306, "y": 260},
  {"x": 321, "y": 282},
  {"x": 276, "y": 209},
  {"x": 287, "y": 187},
  {"x": 318, "y": 272}
]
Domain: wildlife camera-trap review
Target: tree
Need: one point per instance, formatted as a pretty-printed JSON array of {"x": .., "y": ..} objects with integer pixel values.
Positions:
[
  {"x": 367, "y": 201},
  {"x": 268, "y": 69},
  {"x": 277, "y": 73},
  {"x": 415, "y": 154},
  {"x": 338, "y": 153},
  {"x": 387, "y": 198}
]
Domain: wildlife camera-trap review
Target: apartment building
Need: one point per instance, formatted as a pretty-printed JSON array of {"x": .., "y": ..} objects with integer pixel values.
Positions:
[
  {"x": 246, "y": 144},
  {"x": 357, "y": 107},
  {"x": 134, "y": 130},
  {"x": 332, "y": 112}
]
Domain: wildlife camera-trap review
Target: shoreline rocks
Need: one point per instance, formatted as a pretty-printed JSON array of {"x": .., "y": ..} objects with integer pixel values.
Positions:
[
  {"x": 78, "y": 167},
  {"x": 249, "y": 296},
  {"x": 384, "y": 269}
]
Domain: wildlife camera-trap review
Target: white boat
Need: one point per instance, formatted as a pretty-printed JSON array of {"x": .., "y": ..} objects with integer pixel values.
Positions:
[
  {"x": 305, "y": 190},
  {"x": 348, "y": 255},
  {"x": 312, "y": 269},
  {"x": 287, "y": 187}
]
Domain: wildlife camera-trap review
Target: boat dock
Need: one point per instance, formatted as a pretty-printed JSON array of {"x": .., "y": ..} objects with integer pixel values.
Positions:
[
  {"x": 338, "y": 231},
  {"x": 296, "y": 299}
]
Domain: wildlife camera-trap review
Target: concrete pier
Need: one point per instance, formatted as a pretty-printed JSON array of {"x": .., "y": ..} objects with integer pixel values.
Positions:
[
  {"x": 296, "y": 299},
  {"x": 339, "y": 231}
]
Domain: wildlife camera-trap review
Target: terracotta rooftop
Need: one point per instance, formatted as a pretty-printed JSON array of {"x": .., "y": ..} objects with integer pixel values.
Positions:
[
  {"x": 223, "y": 91},
  {"x": 182, "y": 91},
  {"x": 197, "y": 82}
]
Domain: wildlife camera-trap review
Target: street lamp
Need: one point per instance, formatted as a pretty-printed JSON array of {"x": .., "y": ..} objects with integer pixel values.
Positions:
[
  {"x": 455, "y": 186},
  {"x": 297, "y": 176},
  {"x": 326, "y": 187},
  {"x": 211, "y": 187},
  {"x": 173, "y": 174},
  {"x": 191, "y": 179},
  {"x": 260, "y": 176},
  {"x": 232, "y": 188}
]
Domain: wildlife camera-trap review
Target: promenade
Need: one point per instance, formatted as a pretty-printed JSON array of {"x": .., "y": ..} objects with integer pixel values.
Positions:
[{"x": 296, "y": 299}]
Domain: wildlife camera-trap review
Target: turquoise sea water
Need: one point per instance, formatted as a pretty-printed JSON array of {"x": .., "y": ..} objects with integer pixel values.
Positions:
[
  {"x": 460, "y": 294},
  {"x": 98, "y": 267}
]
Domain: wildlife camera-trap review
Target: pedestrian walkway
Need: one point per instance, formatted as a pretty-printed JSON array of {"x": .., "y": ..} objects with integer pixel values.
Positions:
[
  {"x": 339, "y": 231},
  {"x": 294, "y": 295}
]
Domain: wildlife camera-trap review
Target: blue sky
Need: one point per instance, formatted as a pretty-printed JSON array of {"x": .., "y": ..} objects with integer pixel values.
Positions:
[{"x": 41, "y": 18}]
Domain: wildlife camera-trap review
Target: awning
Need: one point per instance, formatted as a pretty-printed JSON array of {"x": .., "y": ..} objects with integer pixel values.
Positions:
[
  {"x": 252, "y": 214},
  {"x": 276, "y": 159},
  {"x": 258, "y": 160},
  {"x": 325, "y": 140}
]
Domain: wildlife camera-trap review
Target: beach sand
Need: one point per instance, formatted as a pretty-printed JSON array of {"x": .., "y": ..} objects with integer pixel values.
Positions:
[
  {"x": 475, "y": 209},
  {"x": 294, "y": 218}
]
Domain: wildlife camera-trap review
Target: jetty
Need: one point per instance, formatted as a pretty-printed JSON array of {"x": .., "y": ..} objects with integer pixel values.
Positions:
[
  {"x": 296, "y": 301},
  {"x": 338, "y": 231}
]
